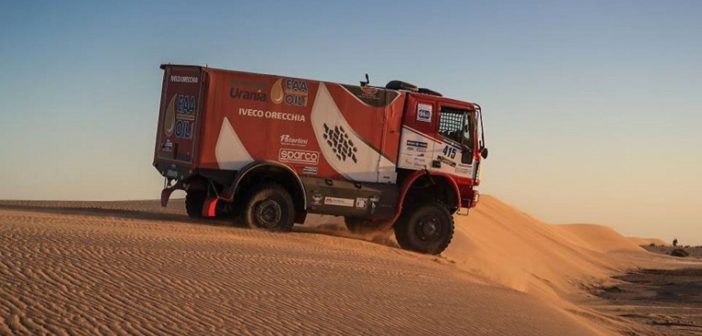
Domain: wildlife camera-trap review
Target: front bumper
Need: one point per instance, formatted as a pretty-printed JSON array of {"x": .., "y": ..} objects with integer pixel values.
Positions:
[{"x": 476, "y": 199}]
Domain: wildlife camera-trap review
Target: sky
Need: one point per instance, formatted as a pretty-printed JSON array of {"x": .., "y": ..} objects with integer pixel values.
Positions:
[{"x": 592, "y": 109}]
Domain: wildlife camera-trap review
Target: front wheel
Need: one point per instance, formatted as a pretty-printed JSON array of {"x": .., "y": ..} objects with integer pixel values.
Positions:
[
  {"x": 270, "y": 207},
  {"x": 427, "y": 228}
]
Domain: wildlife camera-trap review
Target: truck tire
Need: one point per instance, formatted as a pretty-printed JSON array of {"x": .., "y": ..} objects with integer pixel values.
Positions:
[
  {"x": 270, "y": 206},
  {"x": 194, "y": 201},
  {"x": 359, "y": 225},
  {"x": 427, "y": 228}
]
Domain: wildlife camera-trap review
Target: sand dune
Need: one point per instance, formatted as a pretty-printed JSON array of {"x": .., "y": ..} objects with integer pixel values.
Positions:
[
  {"x": 133, "y": 268},
  {"x": 523, "y": 253}
]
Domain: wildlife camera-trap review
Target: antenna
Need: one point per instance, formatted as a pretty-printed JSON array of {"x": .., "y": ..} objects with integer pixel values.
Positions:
[{"x": 366, "y": 82}]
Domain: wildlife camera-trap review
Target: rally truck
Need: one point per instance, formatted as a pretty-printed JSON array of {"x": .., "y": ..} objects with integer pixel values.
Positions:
[{"x": 267, "y": 150}]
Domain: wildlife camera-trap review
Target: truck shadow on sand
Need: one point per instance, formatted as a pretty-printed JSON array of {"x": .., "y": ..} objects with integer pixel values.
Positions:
[{"x": 330, "y": 229}]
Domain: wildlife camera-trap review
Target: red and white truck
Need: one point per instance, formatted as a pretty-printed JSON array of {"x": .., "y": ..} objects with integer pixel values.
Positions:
[{"x": 270, "y": 149}]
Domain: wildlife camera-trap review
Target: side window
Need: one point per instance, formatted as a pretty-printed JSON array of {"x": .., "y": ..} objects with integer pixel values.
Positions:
[{"x": 451, "y": 123}]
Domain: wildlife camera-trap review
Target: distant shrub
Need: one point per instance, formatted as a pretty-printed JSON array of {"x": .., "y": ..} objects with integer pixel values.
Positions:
[
  {"x": 679, "y": 253},
  {"x": 652, "y": 244}
]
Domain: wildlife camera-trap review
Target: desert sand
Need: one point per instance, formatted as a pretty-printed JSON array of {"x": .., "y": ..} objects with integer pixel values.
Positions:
[{"x": 135, "y": 268}]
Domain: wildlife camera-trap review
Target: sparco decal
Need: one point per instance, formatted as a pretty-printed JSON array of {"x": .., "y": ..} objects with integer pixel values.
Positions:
[
  {"x": 286, "y": 139},
  {"x": 298, "y": 156},
  {"x": 247, "y": 112}
]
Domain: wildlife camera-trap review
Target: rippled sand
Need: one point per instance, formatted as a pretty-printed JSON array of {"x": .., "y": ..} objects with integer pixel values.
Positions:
[{"x": 135, "y": 268}]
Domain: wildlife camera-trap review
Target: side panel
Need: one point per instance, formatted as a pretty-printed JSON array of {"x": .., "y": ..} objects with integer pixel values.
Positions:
[
  {"x": 318, "y": 129},
  {"x": 179, "y": 118},
  {"x": 343, "y": 198}
]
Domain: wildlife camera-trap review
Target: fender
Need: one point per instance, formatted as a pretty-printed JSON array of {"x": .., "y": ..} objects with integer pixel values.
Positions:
[
  {"x": 408, "y": 183},
  {"x": 229, "y": 196}
]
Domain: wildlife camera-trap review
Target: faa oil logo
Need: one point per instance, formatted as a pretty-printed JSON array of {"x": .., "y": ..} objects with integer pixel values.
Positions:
[{"x": 289, "y": 90}]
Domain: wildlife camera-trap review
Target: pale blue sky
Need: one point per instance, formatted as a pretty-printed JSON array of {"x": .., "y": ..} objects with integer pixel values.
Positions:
[{"x": 592, "y": 109}]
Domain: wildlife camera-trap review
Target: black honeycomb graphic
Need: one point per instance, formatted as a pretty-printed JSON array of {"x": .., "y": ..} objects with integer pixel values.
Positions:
[{"x": 339, "y": 142}]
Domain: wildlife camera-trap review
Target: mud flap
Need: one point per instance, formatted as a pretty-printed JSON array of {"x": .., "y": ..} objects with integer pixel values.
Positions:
[
  {"x": 166, "y": 193},
  {"x": 209, "y": 208}
]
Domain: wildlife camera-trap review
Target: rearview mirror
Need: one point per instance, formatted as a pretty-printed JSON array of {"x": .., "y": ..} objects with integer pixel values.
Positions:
[{"x": 484, "y": 152}]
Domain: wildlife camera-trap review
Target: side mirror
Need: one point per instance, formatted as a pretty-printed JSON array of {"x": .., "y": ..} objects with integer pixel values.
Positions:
[{"x": 484, "y": 152}]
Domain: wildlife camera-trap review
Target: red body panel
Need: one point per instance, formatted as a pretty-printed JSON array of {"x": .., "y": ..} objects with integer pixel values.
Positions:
[
  {"x": 262, "y": 109},
  {"x": 222, "y": 120}
]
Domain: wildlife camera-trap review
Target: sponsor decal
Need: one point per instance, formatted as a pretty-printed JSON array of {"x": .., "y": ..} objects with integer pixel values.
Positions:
[
  {"x": 247, "y": 112},
  {"x": 289, "y": 90},
  {"x": 338, "y": 140},
  {"x": 167, "y": 146},
  {"x": 169, "y": 118},
  {"x": 238, "y": 93},
  {"x": 414, "y": 143},
  {"x": 338, "y": 201},
  {"x": 183, "y": 79},
  {"x": 446, "y": 161},
  {"x": 424, "y": 112},
  {"x": 317, "y": 197},
  {"x": 361, "y": 202},
  {"x": 298, "y": 156},
  {"x": 287, "y": 139},
  {"x": 183, "y": 129},
  {"x": 310, "y": 170},
  {"x": 248, "y": 90},
  {"x": 185, "y": 107}
]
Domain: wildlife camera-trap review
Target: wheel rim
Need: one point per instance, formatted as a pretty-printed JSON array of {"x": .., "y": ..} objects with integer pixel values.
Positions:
[
  {"x": 429, "y": 228},
  {"x": 268, "y": 213}
]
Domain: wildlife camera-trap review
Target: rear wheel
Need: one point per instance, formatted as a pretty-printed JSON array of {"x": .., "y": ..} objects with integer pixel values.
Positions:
[
  {"x": 270, "y": 206},
  {"x": 359, "y": 225},
  {"x": 194, "y": 201},
  {"x": 427, "y": 228}
]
